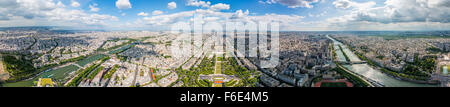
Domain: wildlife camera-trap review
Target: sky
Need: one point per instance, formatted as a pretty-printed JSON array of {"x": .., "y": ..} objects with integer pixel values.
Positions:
[{"x": 292, "y": 15}]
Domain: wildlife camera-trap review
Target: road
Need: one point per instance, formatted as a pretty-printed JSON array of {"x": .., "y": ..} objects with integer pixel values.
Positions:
[
  {"x": 137, "y": 71},
  {"x": 218, "y": 79},
  {"x": 3, "y": 73}
]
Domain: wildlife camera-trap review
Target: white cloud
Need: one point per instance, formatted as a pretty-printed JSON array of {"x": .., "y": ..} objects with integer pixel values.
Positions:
[
  {"x": 310, "y": 15},
  {"x": 405, "y": 11},
  {"x": 157, "y": 12},
  {"x": 198, "y": 3},
  {"x": 75, "y": 3},
  {"x": 167, "y": 19},
  {"x": 211, "y": 19},
  {"x": 47, "y": 12},
  {"x": 239, "y": 14},
  {"x": 267, "y": 2},
  {"x": 344, "y": 4},
  {"x": 292, "y": 3},
  {"x": 408, "y": 14},
  {"x": 207, "y": 4},
  {"x": 318, "y": 15},
  {"x": 123, "y": 14},
  {"x": 93, "y": 7},
  {"x": 123, "y": 4},
  {"x": 283, "y": 19},
  {"x": 59, "y": 4},
  {"x": 220, "y": 6},
  {"x": 185, "y": 16},
  {"x": 142, "y": 14},
  {"x": 172, "y": 5}
]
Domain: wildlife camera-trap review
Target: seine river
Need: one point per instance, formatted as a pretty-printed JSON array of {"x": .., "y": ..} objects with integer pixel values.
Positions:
[{"x": 369, "y": 72}]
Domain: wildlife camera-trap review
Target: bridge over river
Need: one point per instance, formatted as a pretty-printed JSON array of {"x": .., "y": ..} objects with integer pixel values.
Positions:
[{"x": 351, "y": 62}]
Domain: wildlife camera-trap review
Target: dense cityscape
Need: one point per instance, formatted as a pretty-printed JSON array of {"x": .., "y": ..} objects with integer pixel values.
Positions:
[{"x": 42, "y": 57}]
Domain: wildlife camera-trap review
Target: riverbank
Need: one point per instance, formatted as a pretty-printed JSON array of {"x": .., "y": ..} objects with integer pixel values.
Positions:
[
  {"x": 371, "y": 73},
  {"x": 345, "y": 55},
  {"x": 386, "y": 71}
]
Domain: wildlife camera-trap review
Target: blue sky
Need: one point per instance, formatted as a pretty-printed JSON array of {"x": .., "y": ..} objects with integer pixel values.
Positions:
[{"x": 293, "y": 15}]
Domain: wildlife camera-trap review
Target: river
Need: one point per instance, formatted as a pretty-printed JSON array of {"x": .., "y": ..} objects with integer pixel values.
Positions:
[{"x": 369, "y": 72}]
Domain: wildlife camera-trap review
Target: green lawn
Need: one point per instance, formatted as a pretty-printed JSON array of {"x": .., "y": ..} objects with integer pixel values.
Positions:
[
  {"x": 217, "y": 85},
  {"x": 90, "y": 59},
  {"x": 121, "y": 49},
  {"x": 219, "y": 68},
  {"x": 218, "y": 65},
  {"x": 333, "y": 84},
  {"x": 230, "y": 83},
  {"x": 219, "y": 58},
  {"x": 28, "y": 83},
  {"x": 61, "y": 73},
  {"x": 57, "y": 74}
]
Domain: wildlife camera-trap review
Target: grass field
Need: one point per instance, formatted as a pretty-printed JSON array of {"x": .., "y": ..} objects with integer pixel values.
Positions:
[
  {"x": 120, "y": 49},
  {"x": 28, "y": 83},
  {"x": 61, "y": 73},
  {"x": 219, "y": 78},
  {"x": 218, "y": 65},
  {"x": 230, "y": 83},
  {"x": 217, "y": 85},
  {"x": 218, "y": 68},
  {"x": 90, "y": 59},
  {"x": 57, "y": 74},
  {"x": 333, "y": 84},
  {"x": 219, "y": 58}
]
